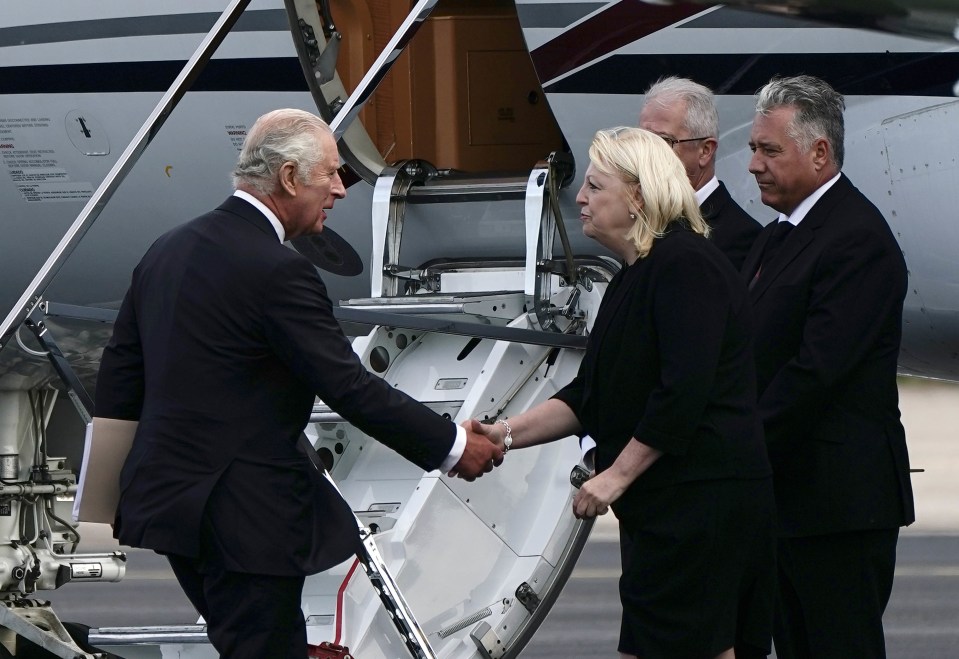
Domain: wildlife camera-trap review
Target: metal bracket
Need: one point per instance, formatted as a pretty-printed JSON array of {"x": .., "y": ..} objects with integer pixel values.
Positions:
[
  {"x": 39, "y": 624},
  {"x": 78, "y": 395},
  {"x": 527, "y": 597},
  {"x": 543, "y": 222},
  {"x": 388, "y": 212},
  {"x": 323, "y": 62},
  {"x": 487, "y": 642},
  {"x": 578, "y": 476}
]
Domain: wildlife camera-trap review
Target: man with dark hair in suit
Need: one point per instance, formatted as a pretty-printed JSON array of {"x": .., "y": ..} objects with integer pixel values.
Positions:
[
  {"x": 220, "y": 347},
  {"x": 827, "y": 282},
  {"x": 683, "y": 113}
]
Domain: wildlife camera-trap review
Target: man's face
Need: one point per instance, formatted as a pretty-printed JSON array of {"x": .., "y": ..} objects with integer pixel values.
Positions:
[
  {"x": 785, "y": 174},
  {"x": 665, "y": 118},
  {"x": 307, "y": 206}
]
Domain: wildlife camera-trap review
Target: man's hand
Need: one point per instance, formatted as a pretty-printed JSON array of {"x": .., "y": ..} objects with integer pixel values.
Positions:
[
  {"x": 494, "y": 432},
  {"x": 480, "y": 454}
]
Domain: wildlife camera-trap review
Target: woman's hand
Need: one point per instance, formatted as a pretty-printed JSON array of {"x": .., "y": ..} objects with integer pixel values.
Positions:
[
  {"x": 495, "y": 432},
  {"x": 598, "y": 493}
]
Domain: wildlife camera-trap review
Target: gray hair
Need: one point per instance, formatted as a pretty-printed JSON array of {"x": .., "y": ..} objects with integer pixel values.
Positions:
[
  {"x": 286, "y": 135},
  {"x": 819, "y": 110},
  {"x": 701, "y": 119}
]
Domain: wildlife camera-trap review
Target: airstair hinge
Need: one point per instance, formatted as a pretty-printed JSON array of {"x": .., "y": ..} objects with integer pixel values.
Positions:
[
  {"x": 322, "y": 54},
  {"x": 544, "y": 222},
  {"x": 389, "y": 211},
  {"x": 429, "y": 280},
  {"x": 310, "y": 44},
  {"x": 527, "y": 597}
]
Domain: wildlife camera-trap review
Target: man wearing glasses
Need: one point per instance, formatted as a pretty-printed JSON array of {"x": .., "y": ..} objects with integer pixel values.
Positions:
[{"x": 683, "y": 113}]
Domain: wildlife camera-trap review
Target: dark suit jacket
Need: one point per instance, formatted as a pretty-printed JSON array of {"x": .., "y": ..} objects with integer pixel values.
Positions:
[
  {"x": 828, "y": 314},
  {"x": 221, "y": 344},
  {"x": 733, "y": 230},
  {"x": 670, "y": 362}
]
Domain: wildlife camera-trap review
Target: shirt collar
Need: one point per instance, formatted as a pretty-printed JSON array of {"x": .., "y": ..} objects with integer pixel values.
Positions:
[
  {"x": 806, "y": 205},
  {"x": 702, "y": 194},
  {"x": 260, "y": 206}
]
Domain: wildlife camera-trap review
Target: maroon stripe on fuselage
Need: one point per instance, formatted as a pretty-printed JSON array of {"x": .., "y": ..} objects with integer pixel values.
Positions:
[{"x": 614, "y": 27}]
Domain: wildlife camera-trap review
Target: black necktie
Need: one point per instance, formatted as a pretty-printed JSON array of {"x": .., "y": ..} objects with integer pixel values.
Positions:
[
  {"x": 776, "y": 241},
  {"x": 773, "y": 245}
]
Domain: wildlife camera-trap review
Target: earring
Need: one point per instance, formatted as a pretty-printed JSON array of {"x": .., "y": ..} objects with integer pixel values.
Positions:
[{"x": 632, "y": 216}]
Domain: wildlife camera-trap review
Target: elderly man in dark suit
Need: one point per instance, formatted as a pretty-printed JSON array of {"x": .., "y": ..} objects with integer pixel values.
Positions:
[
  {"x": 221, "y": 344},
  {"x": 683, "y": 113},
  {"x": 827, "y": 282}
]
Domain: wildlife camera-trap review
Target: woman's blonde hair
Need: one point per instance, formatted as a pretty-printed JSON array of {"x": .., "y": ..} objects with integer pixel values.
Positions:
[{"x": 658, "y": 189}]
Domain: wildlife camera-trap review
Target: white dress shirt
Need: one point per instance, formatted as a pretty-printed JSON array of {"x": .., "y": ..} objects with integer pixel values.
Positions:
[{"x": 806, "y": 205}]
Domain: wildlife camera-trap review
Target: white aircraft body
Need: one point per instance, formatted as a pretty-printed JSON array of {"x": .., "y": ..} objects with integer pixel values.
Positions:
[{"x": 458, "y": 244}]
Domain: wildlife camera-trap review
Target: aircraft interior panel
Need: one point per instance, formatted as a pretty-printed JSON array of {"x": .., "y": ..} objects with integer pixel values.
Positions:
[
  {"x": 463, "y": 97},
  {"x": 480, "y": 229}
]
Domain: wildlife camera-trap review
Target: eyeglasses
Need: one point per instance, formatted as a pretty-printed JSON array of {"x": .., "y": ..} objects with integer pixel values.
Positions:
[{"x": 672, "y": 141}]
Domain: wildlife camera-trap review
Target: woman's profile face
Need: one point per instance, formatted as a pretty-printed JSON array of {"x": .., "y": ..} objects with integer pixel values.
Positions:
[{"x": 605, "y": 213}]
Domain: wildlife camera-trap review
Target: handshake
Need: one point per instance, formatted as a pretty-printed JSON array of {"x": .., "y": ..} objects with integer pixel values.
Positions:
[{"x": 485, "y": 448}]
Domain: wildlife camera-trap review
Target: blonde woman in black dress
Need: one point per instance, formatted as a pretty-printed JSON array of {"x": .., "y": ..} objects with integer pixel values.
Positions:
[{"x": 667, "y": 390}]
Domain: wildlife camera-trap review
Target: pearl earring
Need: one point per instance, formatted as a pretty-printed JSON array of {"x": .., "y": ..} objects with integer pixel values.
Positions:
[{"x": 632, "y": 216}]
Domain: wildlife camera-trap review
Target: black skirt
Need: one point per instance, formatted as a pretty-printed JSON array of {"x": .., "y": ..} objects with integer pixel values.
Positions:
[{"x": 699, "y": 571}]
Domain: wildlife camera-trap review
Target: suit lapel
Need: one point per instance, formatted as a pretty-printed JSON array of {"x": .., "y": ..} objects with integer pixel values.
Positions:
[
  {"x": 714, "y": 203},
  {"x": 798, "y": 240},
  {"x": 751, "y": 264}
]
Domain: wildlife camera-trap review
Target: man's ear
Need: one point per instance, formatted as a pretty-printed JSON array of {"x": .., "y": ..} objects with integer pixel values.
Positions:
[
  {"x": 821, "y": 153},
  {"x": 707, "y": 150},
  {"x": 287, "y": 177}
]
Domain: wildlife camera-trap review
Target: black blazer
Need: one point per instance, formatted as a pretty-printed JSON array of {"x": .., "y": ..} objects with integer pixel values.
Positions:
[
  {"x": 670, "y": 362},
  {"x": 733, "y": 230},
  {"x": 828, "y": 313},
  {"x": 221, "y": 344}
]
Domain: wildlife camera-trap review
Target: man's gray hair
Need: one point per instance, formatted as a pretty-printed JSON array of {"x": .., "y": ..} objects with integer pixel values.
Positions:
[
  {"x": 819, "y": 110},
  {"x": 701, "y": 119},
  {"x": 286, "y": 135}
]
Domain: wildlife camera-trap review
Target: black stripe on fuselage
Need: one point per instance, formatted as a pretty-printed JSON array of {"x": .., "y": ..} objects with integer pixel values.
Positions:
[
  {"x": 259, "y": 20},
  {"x": 861, "y": 74},
  {"x": 278, "y": 74},
  {"x": 554, "y": 14}
]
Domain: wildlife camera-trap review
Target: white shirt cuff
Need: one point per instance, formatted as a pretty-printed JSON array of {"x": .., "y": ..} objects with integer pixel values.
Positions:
[
  {"x": 459, "y": 445},
  {"x": 586, "y": 444}
]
